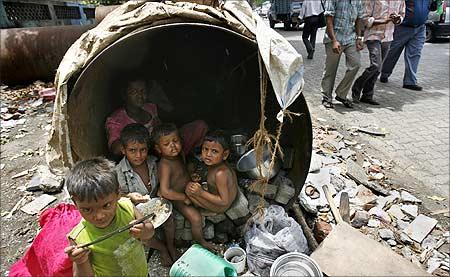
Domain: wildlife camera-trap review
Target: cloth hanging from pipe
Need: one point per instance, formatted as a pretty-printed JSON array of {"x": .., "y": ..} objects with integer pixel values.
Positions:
[{"x": 283, "y": 64}]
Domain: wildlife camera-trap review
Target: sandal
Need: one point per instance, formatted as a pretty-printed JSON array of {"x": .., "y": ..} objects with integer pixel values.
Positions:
[
  {"x": 327, "y": 104},
  {"x": 346, "y": 102}
]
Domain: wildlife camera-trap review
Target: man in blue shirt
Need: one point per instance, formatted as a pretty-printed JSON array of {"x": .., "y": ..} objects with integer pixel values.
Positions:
[{"x": 410, "y": 35}]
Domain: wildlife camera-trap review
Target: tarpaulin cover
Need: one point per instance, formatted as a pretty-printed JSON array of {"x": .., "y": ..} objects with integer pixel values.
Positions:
[
  {"x": 282, "y": 62},
  {"x": 46, "y": 256}
]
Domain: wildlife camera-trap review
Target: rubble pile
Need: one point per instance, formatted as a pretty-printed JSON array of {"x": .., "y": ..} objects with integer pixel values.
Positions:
[{"x": 391, "y": 216}]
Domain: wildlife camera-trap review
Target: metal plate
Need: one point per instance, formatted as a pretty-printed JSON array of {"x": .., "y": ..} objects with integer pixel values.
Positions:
[{"x": 160, "y": 206}]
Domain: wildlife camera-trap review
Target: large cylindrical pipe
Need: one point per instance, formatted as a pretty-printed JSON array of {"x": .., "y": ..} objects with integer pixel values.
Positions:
[
  {"x": 28, "y": 54},
  {"x": 102, "y": 11}
]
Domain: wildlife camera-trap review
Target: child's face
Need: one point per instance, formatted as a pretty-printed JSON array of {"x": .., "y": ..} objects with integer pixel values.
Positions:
[
  {"x": 136, "y": 94},
  {"x": 213, "y": 153},
  {"x": 169, "y": 145},
  {"x": 135, "y": 152},
  {"x": 99, "y": 213}
]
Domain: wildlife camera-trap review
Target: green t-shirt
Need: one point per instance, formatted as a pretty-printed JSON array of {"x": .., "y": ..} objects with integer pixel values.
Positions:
[{"x": 120, "y": 255}]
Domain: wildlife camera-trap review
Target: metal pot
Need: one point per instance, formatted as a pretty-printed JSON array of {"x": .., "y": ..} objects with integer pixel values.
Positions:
[
  {"x": 295, "y": 264},
  {"x": 247, "y": 164}
]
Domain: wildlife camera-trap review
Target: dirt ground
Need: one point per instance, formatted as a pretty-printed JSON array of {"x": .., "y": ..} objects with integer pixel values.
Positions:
[{"x": 22, "y": 148}]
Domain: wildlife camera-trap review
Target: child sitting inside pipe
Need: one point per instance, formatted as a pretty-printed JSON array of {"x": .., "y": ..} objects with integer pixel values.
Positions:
[
  {"x": 137, "y": 110},
  {"x": 222, "y": 181},
  {"x": 137, "y": 178}
]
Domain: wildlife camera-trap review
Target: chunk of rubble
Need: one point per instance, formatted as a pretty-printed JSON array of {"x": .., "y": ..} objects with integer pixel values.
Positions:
[
  {"x": 401, "y": 224},
  {"x": 360, "y": 219},
  {"x": 316, "y": 162},
  {"x": 429, "y": 242},
  {"x": 356, "y": 172},
  {"x": 408, "y": 197},
  {"x": 363, "y": 196},
  {"x": 239, "y": 208},
  {"x": 420, "y": 227},
  {"x": 38, "y": 204},
  {"x": 407, "y": 253},
  {"x": 405, "y": 239},
  {"x": 379, "y": 213},
  {"x": 345, "y": 153},
  {"x": 373, "y": 223},
  {"x": 44, "y": 180},
  {"x": 392, "y": 242},
  {"x": 386, "y": 234},
  {"x": 396, "y": 212},
  {"x": 388, "y": 200},
  {"x": 317, "y": 180},
  {"x": 411, "y": 210}
]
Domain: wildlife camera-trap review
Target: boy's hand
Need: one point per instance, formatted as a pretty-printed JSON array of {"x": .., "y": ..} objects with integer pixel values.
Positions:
[
  {"x": 137, "y": 198},
  {"x": 395, "y": 18},
  {"x": 193, "y": 188},
  {"x": 143, "y": 231},
  {"x": 77, "y": 255}
]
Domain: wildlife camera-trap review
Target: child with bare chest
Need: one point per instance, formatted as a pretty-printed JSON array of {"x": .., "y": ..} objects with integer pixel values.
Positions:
[{"x": 173, "y": 178}]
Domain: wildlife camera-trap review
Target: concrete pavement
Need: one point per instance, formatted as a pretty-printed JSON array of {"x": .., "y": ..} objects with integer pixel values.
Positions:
[{"x": 417, "y": 122}]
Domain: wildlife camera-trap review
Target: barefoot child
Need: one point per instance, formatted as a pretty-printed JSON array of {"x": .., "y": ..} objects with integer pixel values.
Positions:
[
  {"x": 222, "y": 181},
  {"x": 137, "y": 177},
  {"x": 173, "y": 178},
  {"x": 94, "y": 189}
]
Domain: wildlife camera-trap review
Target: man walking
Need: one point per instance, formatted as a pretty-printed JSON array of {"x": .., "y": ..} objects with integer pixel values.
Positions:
[
  {"x": 379, "y": 19},
  {"x": 310, "y": 14},
  {"x": 410, "y": 35},
  {"x": 343, "y": 25}
]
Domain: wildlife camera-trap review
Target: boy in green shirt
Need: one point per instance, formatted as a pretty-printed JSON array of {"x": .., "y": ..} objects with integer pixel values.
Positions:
[{"x": 93, "y": 186}]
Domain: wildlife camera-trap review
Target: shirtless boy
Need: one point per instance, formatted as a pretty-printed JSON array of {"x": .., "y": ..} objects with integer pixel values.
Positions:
[
  {"x": 222, "y": 181},
  {"x": 173, "y": 178}
]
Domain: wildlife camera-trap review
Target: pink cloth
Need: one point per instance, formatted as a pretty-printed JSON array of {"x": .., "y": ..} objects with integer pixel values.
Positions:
[
  {"x": 46, "y": 256},
  {"x": 119, "y": 119},
  {"x": 191, "y": 133}
]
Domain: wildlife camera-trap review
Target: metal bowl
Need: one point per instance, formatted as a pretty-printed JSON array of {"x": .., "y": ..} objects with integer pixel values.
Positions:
[
  {"x": 247, "y": 164},
  {"x": 295, "y": 264}
]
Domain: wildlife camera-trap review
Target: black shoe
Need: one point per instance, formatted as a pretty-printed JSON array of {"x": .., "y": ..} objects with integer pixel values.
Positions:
[
  {"x": 346, "y": 102},
  {"x": 356, "y": 95},
  {"x": 310, "y": 55},
  {"x": 327, "y": 104},
  {"x": 413, "y": 87},
  {"x": 384, "y": 79},
  {"x": 369, "y": 101}
]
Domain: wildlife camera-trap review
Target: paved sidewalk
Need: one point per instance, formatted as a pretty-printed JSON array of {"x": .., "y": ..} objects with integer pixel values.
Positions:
[{"x": 417, "y": 122}]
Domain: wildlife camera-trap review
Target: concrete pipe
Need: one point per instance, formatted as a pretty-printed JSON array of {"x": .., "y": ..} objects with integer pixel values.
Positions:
[
  {"x": 205, "y": 71},
  {"x": 29, "y": 54},
  {"x": 102, "y": 11}
]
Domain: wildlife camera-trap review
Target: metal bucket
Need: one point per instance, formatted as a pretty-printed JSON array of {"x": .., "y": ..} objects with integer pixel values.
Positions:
[{"x": 295, "y": 264}]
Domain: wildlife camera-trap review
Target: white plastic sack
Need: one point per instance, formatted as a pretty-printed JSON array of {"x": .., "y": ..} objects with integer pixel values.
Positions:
[{"x": 270, "y": 236}]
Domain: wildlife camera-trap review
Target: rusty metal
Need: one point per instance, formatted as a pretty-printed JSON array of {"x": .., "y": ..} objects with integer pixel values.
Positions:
[
  {"x": 29, "y": 54},
  {"x": 102, "y": 11}
]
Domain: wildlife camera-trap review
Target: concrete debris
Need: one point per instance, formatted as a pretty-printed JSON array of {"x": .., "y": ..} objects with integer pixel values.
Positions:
[
  {"x": 360, "y": 219},
  {"x": 38, "y": 204},
  {"x": 356, "y": 172},
  {"x": 386, "y": 234},
  {"x": 392, "y": 242},
  {"x": 408, "y": 197},
  {"x": 380, "y": 214},
  {"x": 239, "y": 208},
  {"x": 346, "y": 153},
  {"x": 420, "y": 227},
  {"x": 410, "y": 210},
  {"x": 396, "y": 212},
  {"x": 373, "y": 223},
  {"x": 44, "y": 180},
  {"x": 401, "y": 225},
  {"x": 405, "y": 239},
  {"x": 316, "y": 162},
  {"x": 20, "y": 174}
]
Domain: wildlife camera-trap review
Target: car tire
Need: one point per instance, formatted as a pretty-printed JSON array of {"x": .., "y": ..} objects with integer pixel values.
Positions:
[
  {"x": 287, "y": 25},
  {"x": 429, "y": 35},
  {"x": 271, "y": 22}
]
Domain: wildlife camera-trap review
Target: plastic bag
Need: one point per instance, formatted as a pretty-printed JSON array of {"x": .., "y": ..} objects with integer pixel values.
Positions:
[{"x": 270, "y": 236}]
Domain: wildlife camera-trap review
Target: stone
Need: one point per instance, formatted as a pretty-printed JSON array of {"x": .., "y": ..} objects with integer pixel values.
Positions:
[
  {"x": 408, "y": 197},
  {"x": 429, "y": 242},
  {"x": 388, "y": 200},
  {"x": 380, "y": 214},
  {"x": 46, "y": 180},
  {"x": 221, "y": 238},
  {"x": 433, "y": 264},
  {"x": 254, "y": 200},
  {"x": 320, "y": 178},
  {"x": 363, "y": 196},
  {"x": 179, "y": 220},
  {"x": 420, "y": 227},
  {"x": 216, "y": 218},
  {"x": 317, "y": 180},
  {"x": 396, "y": 212},
  {"x": 34, "y": 184},
  {"x": 356, "y": 172},
  {"x": 360, "y": 219},
  {"x": 239, "y": 208},
  {"x": 407, "y": 253},
  {"x": 186, "y": 234},
  {"x": 405, "y": 239},
  {"x": 386, "y": 234},
  {"x": 284, "y": 194},
  {"x": 38, "y": 204},
  {"x": 326, "y": 160},
  {"x": 392, "y": 242},
  {"x": 373, "y": 223},
  {"x": 316, "y": 162},
  {"x": 208, "y": 231},
  {"x": 271, "y": 191},
  {"x": 321, "y": 230},
  {"x": 401, "y": 224},
  {"x": 346, "y": 153},
  {"x": 410, "y": 210}
]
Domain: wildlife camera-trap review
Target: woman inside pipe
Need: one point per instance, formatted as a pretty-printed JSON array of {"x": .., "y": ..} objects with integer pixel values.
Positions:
[{"x": 138, "y": 110}]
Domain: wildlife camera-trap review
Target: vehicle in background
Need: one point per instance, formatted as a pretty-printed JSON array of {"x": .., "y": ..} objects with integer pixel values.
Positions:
[
  {"x": 438, "y": 23},
  {"x": 265, "y": 7},
  {"x": 286, "y": 12}
]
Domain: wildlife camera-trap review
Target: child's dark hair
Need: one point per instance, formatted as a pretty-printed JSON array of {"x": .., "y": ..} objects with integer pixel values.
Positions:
[
  {"x": 92, "y": 179},
  {"x": 134, "y": 132},
  {"x": 163, "y": 129},
  {"x": 219, "y": 137}
]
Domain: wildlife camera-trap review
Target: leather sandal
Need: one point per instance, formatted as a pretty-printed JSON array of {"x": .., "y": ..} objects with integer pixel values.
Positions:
[
  {"x": 327, "y": 104},
  {"x": 346, "y": 102}
]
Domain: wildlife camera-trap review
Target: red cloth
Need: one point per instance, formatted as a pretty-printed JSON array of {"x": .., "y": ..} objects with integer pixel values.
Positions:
[{"x": 46, "y": 256}]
